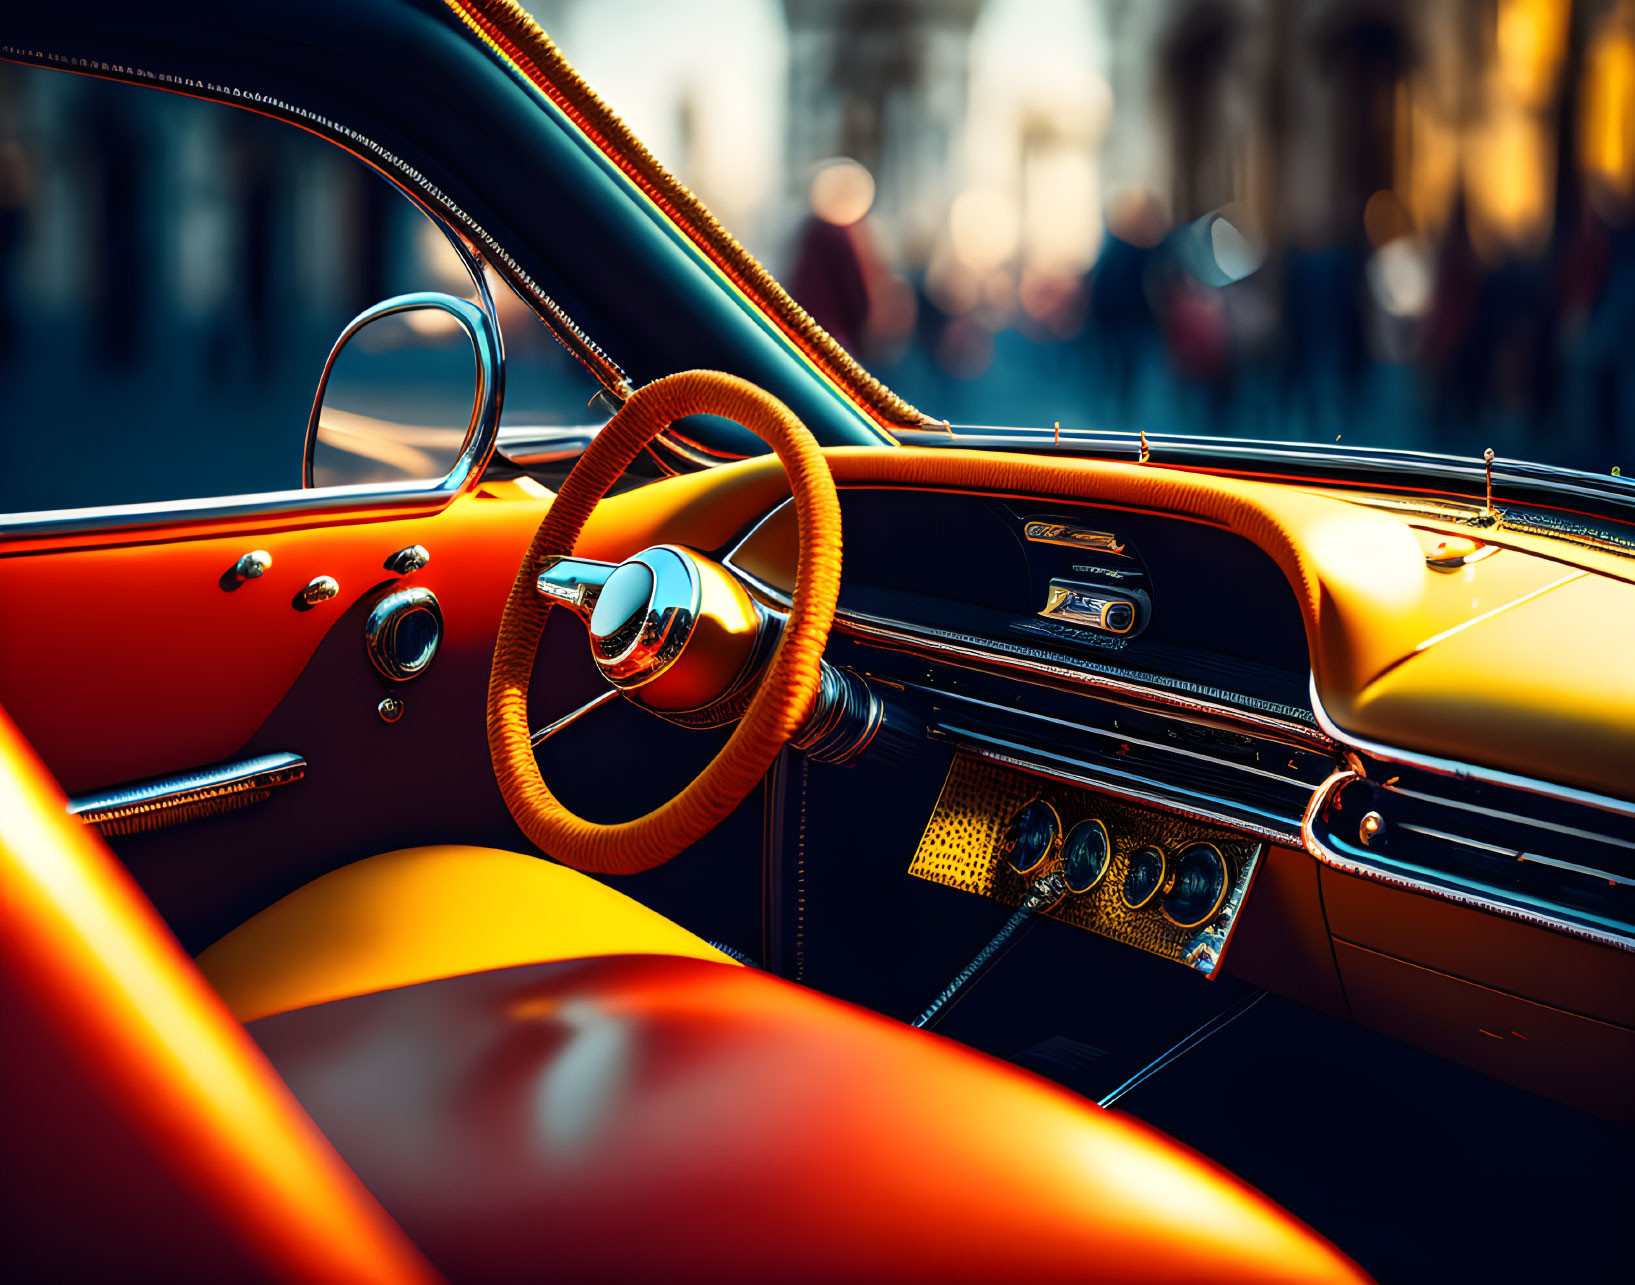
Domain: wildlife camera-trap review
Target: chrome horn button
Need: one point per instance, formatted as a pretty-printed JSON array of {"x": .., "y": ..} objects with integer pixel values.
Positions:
[
  {"x": 644, "y": 615},
  {"x": 671, "y": 622},
  {"x": 621, "y": 609}
]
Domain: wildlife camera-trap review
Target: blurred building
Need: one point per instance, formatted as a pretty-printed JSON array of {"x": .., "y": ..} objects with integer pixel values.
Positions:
[{"x": 1006, "y": 206}]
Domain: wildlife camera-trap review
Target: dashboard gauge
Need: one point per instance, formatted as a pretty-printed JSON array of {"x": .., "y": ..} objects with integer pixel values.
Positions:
[
  {"x": 1086, "y": 855},
  {"x": 1199, "y": 888},
  {"x": 1031, "y": 837},
  {"x": 1144, "y": 876}
]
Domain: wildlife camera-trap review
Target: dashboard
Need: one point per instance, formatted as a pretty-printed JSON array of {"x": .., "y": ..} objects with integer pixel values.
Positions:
[{"x": 1146, "y": 678}]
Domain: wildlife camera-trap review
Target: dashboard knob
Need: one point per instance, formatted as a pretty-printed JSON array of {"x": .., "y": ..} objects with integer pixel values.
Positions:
[
  {"x": 1144, "y": 876},
  {"x": 1086, "y": 854},
  {"x": 1199, "y": 886},
  {"x": 403, "y": 633},
  {"x": 1032, "y": 837}
]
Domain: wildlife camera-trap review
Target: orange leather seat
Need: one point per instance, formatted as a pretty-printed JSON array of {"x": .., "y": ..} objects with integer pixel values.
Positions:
[
  {"x": 640, "y": 1118},
  {"x": 620, "y": 1117},
  {"x": 424, "y": 913}
]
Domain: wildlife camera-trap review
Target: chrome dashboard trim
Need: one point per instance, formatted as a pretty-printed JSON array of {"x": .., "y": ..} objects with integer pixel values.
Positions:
[
  {"x": 1026, "y": 759},
  {"x": 1464, "y": 771},
  {"x": 1473, "y": 900},
  {"x": 1510, "y": 818},
  {"x": 960, "y": 649},
  {"x": 184, "y": 789},
  {"x": 1088, "y": 730}
]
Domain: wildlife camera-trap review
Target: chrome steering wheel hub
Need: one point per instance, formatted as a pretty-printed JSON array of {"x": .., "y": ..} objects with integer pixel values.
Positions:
[{"x": 674, "y": 624}]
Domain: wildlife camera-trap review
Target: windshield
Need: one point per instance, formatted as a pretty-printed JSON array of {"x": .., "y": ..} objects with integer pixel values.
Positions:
[{"x": 1397, "y": 226}]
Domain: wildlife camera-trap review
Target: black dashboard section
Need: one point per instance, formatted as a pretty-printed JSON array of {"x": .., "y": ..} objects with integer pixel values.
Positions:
[{"x": 1184, "y": 605}]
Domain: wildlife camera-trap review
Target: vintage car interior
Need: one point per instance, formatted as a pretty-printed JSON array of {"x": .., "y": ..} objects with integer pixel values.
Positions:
[{"x": 769, "y": 833}]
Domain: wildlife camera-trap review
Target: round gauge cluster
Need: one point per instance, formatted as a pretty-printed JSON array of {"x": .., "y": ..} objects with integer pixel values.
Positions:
[
  {"x": 1199, "y": 886},
  {"x": 1188, "y": 887},
  {"x": 1191, "y": 887},
  {"x": 1144, "y": 875},
  {"x": 1032, "y": 837},
  {"x": 1086, "y": 855}
]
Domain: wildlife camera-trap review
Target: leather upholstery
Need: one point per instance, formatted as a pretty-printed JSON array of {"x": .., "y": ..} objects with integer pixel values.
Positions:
[
  {"x": 782, "y": 701},
  {"x": 648, "y": 1118},
  {"x": 144, "y": 1136},
  {"x": 424, "y": 913}
]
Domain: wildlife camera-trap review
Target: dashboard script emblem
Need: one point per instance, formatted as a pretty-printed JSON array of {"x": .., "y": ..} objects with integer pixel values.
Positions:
[{"x": 1075, "y": 537}]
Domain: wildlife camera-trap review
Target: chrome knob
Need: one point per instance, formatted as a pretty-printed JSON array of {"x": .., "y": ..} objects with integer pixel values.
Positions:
[
  {"x": 319, "y": 589},
  {"x": 403, "y": 633},
  {"x": 410, "y": 559},
  {"x": 253, "y": 565}
]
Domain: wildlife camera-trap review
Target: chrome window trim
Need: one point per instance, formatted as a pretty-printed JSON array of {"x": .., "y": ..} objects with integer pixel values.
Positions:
[
  {"x": 431, "y": 199},
  {"x": 1462, "y": 771},
  {"x": 1472, "y": 900},
  {"x": 181, "y": 789}
]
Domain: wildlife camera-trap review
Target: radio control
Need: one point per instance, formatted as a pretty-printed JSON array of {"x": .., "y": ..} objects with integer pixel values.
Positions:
[{"x": 1090, "y": 606}]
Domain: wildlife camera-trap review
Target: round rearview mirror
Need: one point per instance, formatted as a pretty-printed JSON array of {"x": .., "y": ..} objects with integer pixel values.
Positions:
[{"x": 402, "y": 395}]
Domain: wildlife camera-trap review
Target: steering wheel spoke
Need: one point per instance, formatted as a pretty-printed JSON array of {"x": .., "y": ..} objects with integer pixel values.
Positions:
[{"x": 574, "y": 582}]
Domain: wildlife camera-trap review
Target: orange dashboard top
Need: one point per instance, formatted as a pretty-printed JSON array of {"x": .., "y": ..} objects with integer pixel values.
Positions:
[{"x": 1519, "y": 661}]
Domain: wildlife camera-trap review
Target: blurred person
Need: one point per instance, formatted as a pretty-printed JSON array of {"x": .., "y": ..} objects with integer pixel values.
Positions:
[
  {"x": 1606, "y": 349},
  {"x": 255, "y": 196},
  {"x": 1325, "y": 342},
  {"x": 834, "y": 257},
  {"x": 1121, "y": 325},
  {"x": 14, "y": 197},
  {"x": 119, "y": 284}
]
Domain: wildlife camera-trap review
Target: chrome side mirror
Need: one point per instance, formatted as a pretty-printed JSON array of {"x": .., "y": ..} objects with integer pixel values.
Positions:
[{"x": 410, "y": 393}]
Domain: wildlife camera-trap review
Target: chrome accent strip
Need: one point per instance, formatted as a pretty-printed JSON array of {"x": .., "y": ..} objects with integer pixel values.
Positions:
[
  {"x": 1454, "y": 838},
  {"x": 1517, "y": 854},
  {"x": 1464, "y": 771},
  {"x": 936, "y": 642},
  {"x": 1539, "y": 859},
  {"x": 1475, "y": 901},
  {"x": 551, "y": 729},
  {"x": 1121, "y": 737},
  {"x": 1511, "y": 818},
  {"x": 1016, "y": 756},
  {"x": 185, "y": 788},
  {"x": 534, "y": 444},
  {"x": 1382, "y": 467}
]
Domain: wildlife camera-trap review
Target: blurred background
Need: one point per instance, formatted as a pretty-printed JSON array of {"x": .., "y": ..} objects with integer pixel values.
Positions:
[{"x": 1399, "y": 224}]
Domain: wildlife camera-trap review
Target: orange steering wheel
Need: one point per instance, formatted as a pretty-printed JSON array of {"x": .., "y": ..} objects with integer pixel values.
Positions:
[{"x": 790, "y": 681}]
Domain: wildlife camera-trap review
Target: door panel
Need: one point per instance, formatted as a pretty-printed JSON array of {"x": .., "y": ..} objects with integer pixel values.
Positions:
[{"x": 131, "y": 661}]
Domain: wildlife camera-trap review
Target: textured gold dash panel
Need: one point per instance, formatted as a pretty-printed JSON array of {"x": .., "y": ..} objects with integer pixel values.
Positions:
[{"x": 960, "y": 848}]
